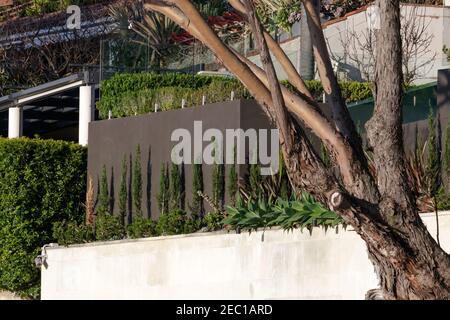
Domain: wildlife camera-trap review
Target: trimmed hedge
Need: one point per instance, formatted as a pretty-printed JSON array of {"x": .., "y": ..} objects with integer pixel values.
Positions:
[
  {"x": 41, "y": 182},
  {"x": 136, "y": 93}
]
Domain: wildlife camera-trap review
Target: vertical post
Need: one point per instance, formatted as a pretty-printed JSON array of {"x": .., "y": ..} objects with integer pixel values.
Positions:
[
  {"x": 203, "y": 100},
  {"x": 15, "y": 122},
  {"x": 232, "y": 95},
  {"x": 86, "y": 113}
]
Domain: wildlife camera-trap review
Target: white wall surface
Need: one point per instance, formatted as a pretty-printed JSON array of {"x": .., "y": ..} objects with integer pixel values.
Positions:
[
  {"x": 278, "y": 265},
  {"x": 345, "y": 36},
  {"x": 435, "y": 19}
]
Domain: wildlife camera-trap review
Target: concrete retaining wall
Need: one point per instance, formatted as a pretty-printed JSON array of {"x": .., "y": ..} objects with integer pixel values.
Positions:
[{"x": 262, "y": 265}]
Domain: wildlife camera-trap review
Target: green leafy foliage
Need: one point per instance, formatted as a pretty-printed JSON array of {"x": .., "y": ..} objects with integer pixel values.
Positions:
[
  {"x": 175, "y": 222},
  {"x": 71, "y": 232},
  {"x": 302, "y": 212},
  {"x": 39, "y": 7},
  {"x": 280, "y": 14},
  {"x": 213, "y": 221},
  {"x": 108, "y": 227},
  {"x": 137, "y": 183},
  {"x": 137, "y": 93},
  {"x": 352, "y": 91},
  {"x": 141, "y": 228},
  {"x": 127, "y": 94},
  {"x": 41, "y": 182}
]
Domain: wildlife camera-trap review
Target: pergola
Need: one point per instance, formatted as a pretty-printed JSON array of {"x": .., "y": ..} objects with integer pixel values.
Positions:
[{"x": 50, "y": 108}]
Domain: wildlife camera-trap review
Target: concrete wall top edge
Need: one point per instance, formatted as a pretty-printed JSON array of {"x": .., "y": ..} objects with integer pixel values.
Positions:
[{"x": 224, "y": 233}]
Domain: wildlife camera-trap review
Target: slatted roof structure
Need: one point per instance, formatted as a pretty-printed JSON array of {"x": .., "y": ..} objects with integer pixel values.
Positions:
[{"x": 49, "y": 107}]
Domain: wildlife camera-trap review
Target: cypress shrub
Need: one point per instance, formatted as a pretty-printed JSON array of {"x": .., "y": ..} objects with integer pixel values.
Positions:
[
  {"x": 163, "y": 193},
  {"x": 233, "y": 184},
  {"x": 175, "y": 188},
  {"x": 104, "y": 200},
  {"x": 197, "y": 186},
  {"x": 218, "y": 181},
  {"x": 123, "y": 192},
  {"x": 137, "y": 184}
]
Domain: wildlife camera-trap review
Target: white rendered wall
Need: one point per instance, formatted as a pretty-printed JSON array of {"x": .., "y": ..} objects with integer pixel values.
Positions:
[{"x": 286, "y": 265}]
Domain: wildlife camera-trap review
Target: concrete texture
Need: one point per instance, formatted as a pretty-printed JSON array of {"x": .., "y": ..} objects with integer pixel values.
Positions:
[
  {"x": 262, "y": 265},
  {"x": 5, "y": 295}
]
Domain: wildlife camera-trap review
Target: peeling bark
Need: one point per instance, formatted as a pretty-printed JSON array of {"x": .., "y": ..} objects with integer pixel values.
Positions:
[
  {"x": 409, "y": 263},
  {"x": 423, "y": 272}
]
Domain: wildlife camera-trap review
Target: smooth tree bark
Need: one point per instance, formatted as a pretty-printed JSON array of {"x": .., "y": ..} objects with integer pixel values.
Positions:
[
  {"x": 306, "y": 48},
  {"x": 381, "y": 208}
]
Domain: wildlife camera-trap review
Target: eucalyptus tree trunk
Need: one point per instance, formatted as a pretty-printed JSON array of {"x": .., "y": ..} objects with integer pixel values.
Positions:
[{"x": 424, "y": 270}]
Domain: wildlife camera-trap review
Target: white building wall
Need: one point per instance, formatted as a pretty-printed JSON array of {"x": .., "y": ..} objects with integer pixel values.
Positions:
[
  {"x": 337, "y": 34},
  {"x": 346, "y": 37}
]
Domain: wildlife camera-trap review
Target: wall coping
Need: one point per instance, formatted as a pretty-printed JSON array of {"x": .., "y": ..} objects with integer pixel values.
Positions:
[{"x": 213, "y": 233}]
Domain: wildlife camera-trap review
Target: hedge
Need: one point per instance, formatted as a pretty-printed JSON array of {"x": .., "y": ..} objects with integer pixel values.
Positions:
[
  {"x": 136, "y": 93},
  {"x": 41, "y": 182}
]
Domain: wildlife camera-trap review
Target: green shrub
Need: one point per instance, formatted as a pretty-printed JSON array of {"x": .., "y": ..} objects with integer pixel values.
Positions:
[
  {"x": 352, "y": 91},
  {"x": 141, "y": 228},
  {"x": 174, "y": 222},
  {"x": 41, "y": 182},
  {"x": 108, "y": 227},
  {"x": 302, "y": 212},
  {"x": 71, "y": 232},
  {"x": 213, "y": 221},
  {"x": 136, "y": 93}
]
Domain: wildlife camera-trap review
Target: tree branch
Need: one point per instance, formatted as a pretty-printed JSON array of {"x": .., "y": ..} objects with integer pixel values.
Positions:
[
  {"x": 341, "y": 116},
  {"x": 293, "y": 76},
  {"x": 281, "y": 116}
]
